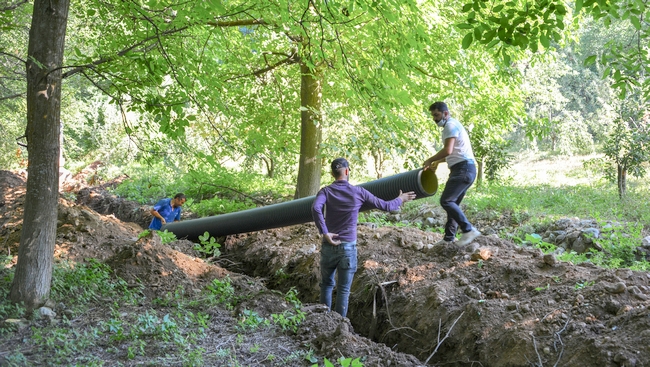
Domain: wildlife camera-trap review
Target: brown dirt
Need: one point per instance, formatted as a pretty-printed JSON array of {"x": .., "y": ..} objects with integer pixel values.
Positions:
[{"x": 490, "y": 304}]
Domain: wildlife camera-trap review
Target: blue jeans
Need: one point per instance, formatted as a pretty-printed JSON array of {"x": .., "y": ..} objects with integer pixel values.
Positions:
[
  {"x": 342, "y": 260},
  {"x": 461, "y": 177}
]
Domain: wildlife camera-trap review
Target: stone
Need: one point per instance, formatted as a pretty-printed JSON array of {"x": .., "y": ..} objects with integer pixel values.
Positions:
[
  {"x": 481, "y": 254},
  {"x": 550, "y": 259},
  {"x": 616, "y": 288},
  {"x": 46, "y": 311},
  {"x": 646, "y": 242}
]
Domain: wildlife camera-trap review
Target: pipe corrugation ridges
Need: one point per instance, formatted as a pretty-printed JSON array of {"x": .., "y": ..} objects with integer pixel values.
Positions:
[{"x": 289, "y": 213}]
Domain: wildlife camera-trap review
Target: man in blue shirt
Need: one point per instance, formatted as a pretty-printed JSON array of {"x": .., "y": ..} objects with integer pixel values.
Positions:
[
  {"x": 460, "y": 158},
  {"x": 339, "y": 231},
  {"x": 167, "y": 211}
]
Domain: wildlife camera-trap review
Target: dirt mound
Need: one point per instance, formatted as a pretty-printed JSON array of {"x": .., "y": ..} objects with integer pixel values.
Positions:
[
  {"x": 500, "y": 304},
  {"x": 103, "y": 202},
  {"x": 159, "y": 270}
]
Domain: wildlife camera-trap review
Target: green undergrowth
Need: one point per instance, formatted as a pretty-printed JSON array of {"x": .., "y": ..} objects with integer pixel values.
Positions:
[
  {"x": 546, "y": 201},
  {"x": 210, "y": 191},
  {"x": 103, "y": 321},
  {"x": 618, "y": 242}
]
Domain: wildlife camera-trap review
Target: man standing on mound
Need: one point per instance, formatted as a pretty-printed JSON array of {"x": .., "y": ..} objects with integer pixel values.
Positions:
[
  {"x": 338, "y": 228},
  {"x": 167, "y": 211},
  {"x": 460, "y": 159}
]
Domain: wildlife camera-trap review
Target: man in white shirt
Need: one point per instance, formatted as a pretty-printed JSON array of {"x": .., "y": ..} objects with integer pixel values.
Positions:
[{"x": 460, "y": 159}]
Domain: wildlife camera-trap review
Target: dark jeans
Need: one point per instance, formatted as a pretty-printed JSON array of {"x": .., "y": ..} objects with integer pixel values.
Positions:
[
  {"x": 461, "y": 177},
  {"x": 342, "y": 260}
]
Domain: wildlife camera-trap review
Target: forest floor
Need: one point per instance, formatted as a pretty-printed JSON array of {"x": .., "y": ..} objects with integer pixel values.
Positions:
[{"x": 491, "y": 303}]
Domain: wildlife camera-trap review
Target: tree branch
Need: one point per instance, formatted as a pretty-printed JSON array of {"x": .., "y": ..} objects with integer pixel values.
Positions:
[
  {"x": 291, "y": 59},
  {"x": 237, "y": 23},
  {"x": 13, "y": 6},
  {"x": 104, "y": 60},
  {"x": 13, "y": 96}
]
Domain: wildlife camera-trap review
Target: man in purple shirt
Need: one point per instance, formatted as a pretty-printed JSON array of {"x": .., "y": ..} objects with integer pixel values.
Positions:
[{"x": 339, "y": 230}]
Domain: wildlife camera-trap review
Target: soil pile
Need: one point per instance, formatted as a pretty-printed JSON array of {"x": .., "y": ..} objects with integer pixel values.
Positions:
[{"x": 491, "y": 303}]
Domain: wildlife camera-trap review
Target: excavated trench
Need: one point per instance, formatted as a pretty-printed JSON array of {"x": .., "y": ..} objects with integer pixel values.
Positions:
[{"x": 498, "y": 305}]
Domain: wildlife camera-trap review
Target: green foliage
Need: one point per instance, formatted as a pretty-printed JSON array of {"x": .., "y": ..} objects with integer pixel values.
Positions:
[
  {"x": 343, "y": 362},
  {"x": 584, "y": 284},
  {"x": 250, "y": 321},
  {"x": 220, "y": 292},
  {"x": 544, "y": 288},
  {"x": 166, "y": 236},
  {"x": 290, "y": 319},
  {"x": 86, "y": 282},
  {"x": 209, "y": 246},
  {"x": 536, "y": 240}
]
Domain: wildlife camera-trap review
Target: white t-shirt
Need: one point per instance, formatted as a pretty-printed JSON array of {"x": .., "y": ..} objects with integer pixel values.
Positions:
[{"x": 462, "y": 148}]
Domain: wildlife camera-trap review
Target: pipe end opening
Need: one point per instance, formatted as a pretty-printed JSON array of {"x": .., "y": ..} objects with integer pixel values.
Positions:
[{"x": 428, "y": 182}]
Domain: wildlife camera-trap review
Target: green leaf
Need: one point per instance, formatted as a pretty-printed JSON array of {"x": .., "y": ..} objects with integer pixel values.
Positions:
[
  {"x": 493, "y": 43},
  {"x": 590, "y": 60},
  {"x": 489, "y": 35},
  {"x": 635, "y": 22},
  {"x": 467, "y": 7},
  {"x": 543, "y": 39},
  {"x": 497, "y": 8},
  {"x": 467, "y": 40},
  {"x": 465, "y": 26}
]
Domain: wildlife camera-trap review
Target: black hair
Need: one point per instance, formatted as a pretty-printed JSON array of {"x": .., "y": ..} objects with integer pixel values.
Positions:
[{"x": 439, "y": 106}]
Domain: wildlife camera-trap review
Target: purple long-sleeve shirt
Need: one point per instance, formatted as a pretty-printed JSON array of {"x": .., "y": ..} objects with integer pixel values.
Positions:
[{"x": 344, "y": 201}]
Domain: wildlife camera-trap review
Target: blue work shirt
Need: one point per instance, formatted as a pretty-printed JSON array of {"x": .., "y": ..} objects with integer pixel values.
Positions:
[
  {"x": 164, "y": 208},
  {"x": 344, "y": 201}
]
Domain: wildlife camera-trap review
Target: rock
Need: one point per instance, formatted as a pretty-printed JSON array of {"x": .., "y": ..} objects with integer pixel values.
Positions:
[
  {"x": 636, "y": 292},
  {"x": 428, "y": 222},
  {"x": 579, "y": 245},
  {"x": 646, "y": 242},
  {"x": 418, "y": 245},
  {"x": 46, "y": 311},
  {"x": 511, "y": 306},
  {"x": 473, "y": 292},
  {"x": 472, "y": 247},
  {"x": 616, "y": 288},
  {"x": 579, "y": 299},
  {"x": 481, "y": 254},
  {"x": 591, "y": 233},
  {"x": 550, "y": 259}
]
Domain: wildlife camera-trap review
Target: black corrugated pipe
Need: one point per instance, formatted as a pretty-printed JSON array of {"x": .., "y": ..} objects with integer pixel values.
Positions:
[{"x": 424, "y": 183}]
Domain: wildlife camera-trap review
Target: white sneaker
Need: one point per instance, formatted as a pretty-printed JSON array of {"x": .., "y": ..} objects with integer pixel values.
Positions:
[{"x": 468, "y": 237}]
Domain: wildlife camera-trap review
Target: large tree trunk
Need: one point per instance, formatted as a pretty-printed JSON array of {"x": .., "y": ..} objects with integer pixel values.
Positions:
[
  {"x": 310, "y": 133},
  {"x": 33, "y": 275}
]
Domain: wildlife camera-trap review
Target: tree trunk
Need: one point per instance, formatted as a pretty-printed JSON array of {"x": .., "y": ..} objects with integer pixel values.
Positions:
[
  {"x": 481, "y": 171},
  {"x": 32, "y": 281},
  {"x": 309, "y": 167},
  {"x": 622, "y": 180}
]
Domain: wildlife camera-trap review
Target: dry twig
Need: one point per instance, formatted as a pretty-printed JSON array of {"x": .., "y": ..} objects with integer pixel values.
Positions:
[{"x": 443, "y": 339}]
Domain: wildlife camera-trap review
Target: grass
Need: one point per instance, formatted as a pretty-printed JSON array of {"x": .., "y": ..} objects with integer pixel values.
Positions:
[{"x": 549, "y": 189}]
